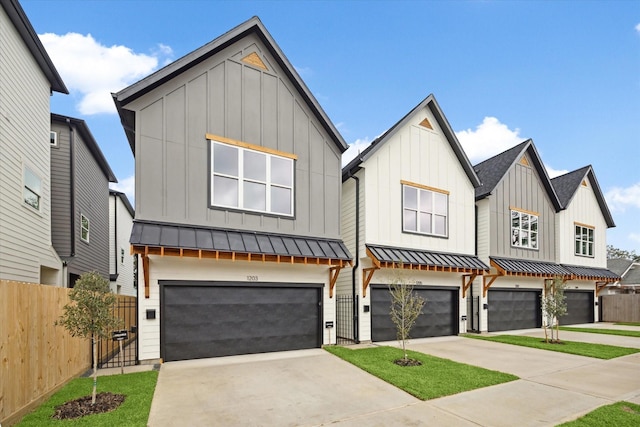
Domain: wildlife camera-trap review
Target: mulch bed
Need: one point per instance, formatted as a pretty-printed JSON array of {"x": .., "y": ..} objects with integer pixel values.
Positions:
[
  {"x": 105, "y": 402},
  {"x": 407, "y": 362}
]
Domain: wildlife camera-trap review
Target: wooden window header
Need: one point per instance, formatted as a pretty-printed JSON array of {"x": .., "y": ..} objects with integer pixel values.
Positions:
[
  {"x": 242, "y": 144},
  {"x": 584, "y": 225},
  {"x": 424, "y": 187},
  {"x": 513, "y": 208}
]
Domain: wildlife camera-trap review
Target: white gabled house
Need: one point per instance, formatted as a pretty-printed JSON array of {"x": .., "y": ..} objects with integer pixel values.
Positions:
[
  {"x": 237, "y": 209},
  {"x": 408, "y": 205},
  {"x": 122, "y": 263},
  {"x": 27, "y": 80}
]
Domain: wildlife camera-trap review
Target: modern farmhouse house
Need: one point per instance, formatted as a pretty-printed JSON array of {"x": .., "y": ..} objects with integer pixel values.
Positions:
[{"x": 237, "y": 209}]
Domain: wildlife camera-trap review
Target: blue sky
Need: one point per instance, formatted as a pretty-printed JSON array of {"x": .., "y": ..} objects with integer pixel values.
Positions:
[{"x": 564, "y": 73}]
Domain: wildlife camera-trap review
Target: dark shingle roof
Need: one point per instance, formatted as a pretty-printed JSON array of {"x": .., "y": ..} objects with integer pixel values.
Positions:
[
  {"x": 432, "y": 104},
  {"x": 493, "y": 170},
  {"x": 155, "y": 234},
  {"x": 251, "y": 26},
  {"x": 566, "y": 186},
  {"x": 628, "y": 270},
  {"x": 388, "y": 254},
  {"x": 619, "y": 265},
  {"x": 633, "y": 275},
  {"x": 524, "y": 267}
]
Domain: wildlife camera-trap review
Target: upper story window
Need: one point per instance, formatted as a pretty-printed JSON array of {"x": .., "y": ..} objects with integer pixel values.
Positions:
[
  {"x": 425, "y": 210},
  {"x": 584, "y": 240},
  {"x": 524, "y": 229},
  {"x": 251, "y": 178},
  {"x": 54, "y": 138},
  {"x": 32, "y": 191},
  {"x": 84, "y": 228}
]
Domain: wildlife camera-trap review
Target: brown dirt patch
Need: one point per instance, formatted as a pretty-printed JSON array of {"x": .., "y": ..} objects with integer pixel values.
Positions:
[
  {"x": 105, "y": 402},
  {"x": 407, "y": 362}
]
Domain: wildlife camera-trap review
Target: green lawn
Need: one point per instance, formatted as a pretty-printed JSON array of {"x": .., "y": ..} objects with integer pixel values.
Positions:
[
  {"x": 620, "y": 414},
  {"x": 622, "y": 332},
  {"x": 628, "y": 323},
  {"x": 600, "y": 351},
  {"x": 137, "y": 387},
  {"x": 436, "y": 377}
]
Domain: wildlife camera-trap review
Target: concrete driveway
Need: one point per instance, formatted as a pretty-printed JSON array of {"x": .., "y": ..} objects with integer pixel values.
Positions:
[{"x": 313, "y": 387}]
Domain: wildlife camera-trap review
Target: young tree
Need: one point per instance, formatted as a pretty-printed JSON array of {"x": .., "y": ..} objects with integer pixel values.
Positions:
[
  {"x": 90, "y": 314},
  {"x": 406, "y": 306},
  {"x": 554, "y": 305}
]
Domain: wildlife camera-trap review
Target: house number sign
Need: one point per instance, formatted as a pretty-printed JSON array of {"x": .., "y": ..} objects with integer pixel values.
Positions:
[{"x": 252, "y": 278}]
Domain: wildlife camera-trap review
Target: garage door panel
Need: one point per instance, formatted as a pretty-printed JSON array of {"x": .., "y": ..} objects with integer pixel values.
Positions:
[
  {"x": 439, "y": 315},
  {"x": 223, "y": 320},
  {"x": 513, "y": 309},
  {"x": 580, "y": 307}
]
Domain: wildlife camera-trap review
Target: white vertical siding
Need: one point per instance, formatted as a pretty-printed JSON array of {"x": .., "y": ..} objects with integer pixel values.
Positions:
[
  {"x": 484, "y": 229},
  {"x": 119, "y": 241},
  {"x": 583, "y": 209},
  {"x": 25, "y": 235},
  {"x": 425, "y": 157},
  {"x": 175, "y": 268}
]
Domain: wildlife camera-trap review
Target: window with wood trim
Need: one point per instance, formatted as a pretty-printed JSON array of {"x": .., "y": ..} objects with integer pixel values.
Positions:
[
  {"x": 32, "y": 188},
  {"x": 84, "y": 228},
  {"x": 424, "y": 211},
  {"x": 584, "y": 240},
  {"x": 524, "y": 230},
  {"x": 251, "y": 180}
]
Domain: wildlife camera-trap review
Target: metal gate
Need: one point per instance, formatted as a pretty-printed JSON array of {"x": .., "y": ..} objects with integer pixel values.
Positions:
[
  {"x": 109, "y": 355},
  {"x": 344, "y": 319}
]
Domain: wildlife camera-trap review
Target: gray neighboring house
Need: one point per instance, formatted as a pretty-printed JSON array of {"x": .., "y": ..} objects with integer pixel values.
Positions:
[
  {"x": 237, "y": 209},
  {"x": 80, "y": 177},
  {"x": 122, "y": 263},
  {"x": 629, "y": 271},
  {"x": 27, "y": 80}
]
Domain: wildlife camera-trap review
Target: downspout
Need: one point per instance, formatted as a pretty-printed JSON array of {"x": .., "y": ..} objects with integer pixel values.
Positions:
[
  {"x": 115, "y": 232},
  {"x": 72, "y": 186},
  {"x": 357, "y": 264}
]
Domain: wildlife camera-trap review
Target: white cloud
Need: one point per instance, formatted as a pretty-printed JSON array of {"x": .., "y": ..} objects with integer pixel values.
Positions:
[
  {"x": 555, "y": 172},
  {"x": 635, "y": 236},
  {"x": 354, "y": 149},
  {"x": 94, "y": 70},
  {"x": 127, "y": 186},
  {"x": 619, "y": 199},
  {"x": 638, "y": 28},
  {"x": 488, "y": 139}
]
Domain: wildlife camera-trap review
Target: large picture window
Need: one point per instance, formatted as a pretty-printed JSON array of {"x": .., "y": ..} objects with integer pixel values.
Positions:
[
  {"x": 32, "y": 191},
  {"x": 524, "y": 229},
  {"x": 252, "y": 180},
  {"x": 584, "y": 240},
  {"x": 424, "y": 211}
]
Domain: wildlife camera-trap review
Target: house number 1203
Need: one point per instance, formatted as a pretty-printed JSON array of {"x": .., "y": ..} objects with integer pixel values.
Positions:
[{"x": 252, "y": 278}]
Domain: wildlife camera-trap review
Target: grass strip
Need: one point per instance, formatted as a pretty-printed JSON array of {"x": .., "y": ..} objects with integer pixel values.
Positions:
[
  {"x": 599, "y": 351},
  {"x": 621, "y": 332},
  {"x": 628, "y": 323},
  {"x": 436, "y": 377},
  {"x": 619, "y": 414},
  {"x": 134, "y": 411}
]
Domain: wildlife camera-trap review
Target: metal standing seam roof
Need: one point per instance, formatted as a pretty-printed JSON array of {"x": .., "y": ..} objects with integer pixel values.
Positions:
[
  {"x": 521, "y": 266},
  {"x": 166, "y": 235},
  {"x": 426, "y": 258},
  {"x": 591, "y": 272}
]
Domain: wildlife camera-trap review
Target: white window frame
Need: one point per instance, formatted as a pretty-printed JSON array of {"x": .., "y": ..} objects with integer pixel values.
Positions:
[
  {"x": 242, "y": 178},
  {"x": 585, "y": 236},
  {"x": 521, "y": 235},
  {"x": 83, "y": 237},
  {"x": 423, "y": 191},
  {"x": 26, "y": 188},
  {"x": 53, "y": 138}
]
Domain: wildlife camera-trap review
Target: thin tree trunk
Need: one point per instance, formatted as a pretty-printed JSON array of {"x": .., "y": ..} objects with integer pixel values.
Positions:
[{"x": 95, "y": 369}]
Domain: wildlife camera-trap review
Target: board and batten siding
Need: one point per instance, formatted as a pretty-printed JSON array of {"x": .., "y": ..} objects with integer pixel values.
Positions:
[
  {"x": 92, "y": 201},
  {"x": 585, "y": 210},
  {"x": 120, "y": 225},
  {"x": 521, "y": 188},
  {"x": 174, "y": 268},
  {"x": 25, "y": 234},
  {"x": 61, "y": 191},
  {"x": 226, "y": 97},
  {"x": 422, "y": 156}
]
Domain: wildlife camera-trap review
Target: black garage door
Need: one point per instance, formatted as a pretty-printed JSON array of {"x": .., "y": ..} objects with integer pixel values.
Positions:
[
  {"x": 580, "y": 307},
  {"x": 223, "y": 319},
  {"x": 439, "y": 316},
  {"x": 514, "y": 309}
]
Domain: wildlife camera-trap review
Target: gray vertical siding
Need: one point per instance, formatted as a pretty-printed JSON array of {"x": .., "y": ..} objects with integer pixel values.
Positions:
[
  {"x": 227, "y": 97},
  {"x": 61, "y": 191},
  {"x": 521, "y": 188}
]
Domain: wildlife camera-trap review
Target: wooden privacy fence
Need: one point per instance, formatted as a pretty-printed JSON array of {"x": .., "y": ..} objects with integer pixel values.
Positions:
[
  {"x": 36, "y": 357},
  {"x": 620, "y": 308}
]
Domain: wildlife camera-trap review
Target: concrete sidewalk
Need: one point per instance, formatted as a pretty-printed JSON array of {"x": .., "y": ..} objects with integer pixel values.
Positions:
[{"x": 313, "y": 387}]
